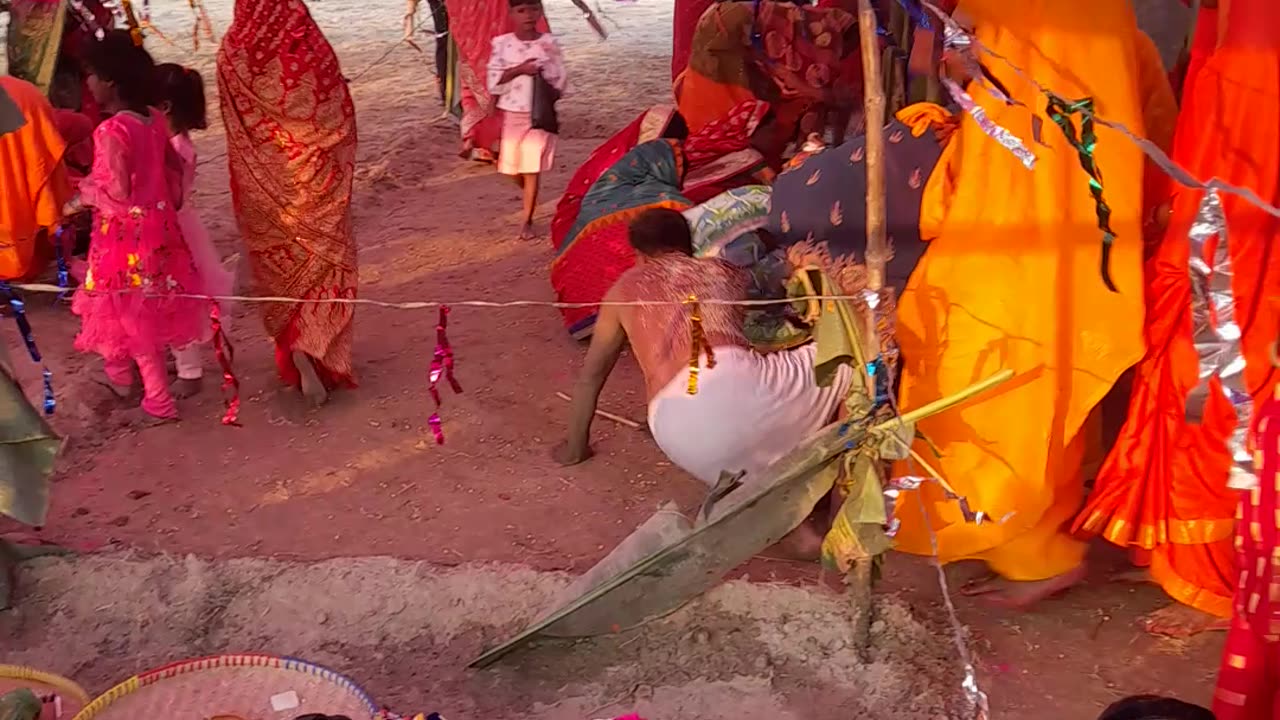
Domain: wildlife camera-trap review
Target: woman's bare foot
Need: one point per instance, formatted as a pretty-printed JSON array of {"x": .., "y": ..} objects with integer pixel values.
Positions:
[
  {"x": 312, "y": 388},
  {"x": 1017, "y": 595},
  {"x": 1182, "y": 621},
  {"x": 526, "y": 231},
  {"x": 1137, "y": 576},
  {"x": 186, "y": 387}
]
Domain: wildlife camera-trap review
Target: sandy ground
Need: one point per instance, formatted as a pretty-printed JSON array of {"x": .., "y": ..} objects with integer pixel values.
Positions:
[{"x": 348, "y": 537}]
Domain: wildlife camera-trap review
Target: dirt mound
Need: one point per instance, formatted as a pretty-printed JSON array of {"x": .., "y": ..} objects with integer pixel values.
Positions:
[{"x": 407, "y": 629}]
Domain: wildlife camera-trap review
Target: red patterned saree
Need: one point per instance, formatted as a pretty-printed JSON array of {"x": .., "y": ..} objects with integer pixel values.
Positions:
[{"x": 291, "y": 148}]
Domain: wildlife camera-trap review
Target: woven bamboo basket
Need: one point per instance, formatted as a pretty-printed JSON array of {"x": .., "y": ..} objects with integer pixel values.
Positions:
[
  {"x": 16, "y": 677},
  {"x": 231, "y": 685}
]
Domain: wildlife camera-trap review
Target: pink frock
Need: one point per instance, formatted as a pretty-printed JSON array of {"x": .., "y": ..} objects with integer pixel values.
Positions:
[
  {"x": 217, "y": 280},
  {"x": 138, "y": 260}
]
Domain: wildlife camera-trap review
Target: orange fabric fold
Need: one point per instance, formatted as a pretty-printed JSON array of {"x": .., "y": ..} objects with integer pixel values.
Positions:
[
  {"x": 34, "y": 182},
  {"x": 1164, "y": 487},
  {"x": 1012, "y": 280}
]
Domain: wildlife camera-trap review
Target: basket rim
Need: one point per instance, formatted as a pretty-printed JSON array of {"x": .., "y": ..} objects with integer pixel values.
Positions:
[
  {"x": 225, "y": 660},
  {"x": 62, "y": 684}
]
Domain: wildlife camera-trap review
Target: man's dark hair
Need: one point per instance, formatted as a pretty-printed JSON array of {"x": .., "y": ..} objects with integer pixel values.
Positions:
[
  {"x": 661, "y": 230},
  {"x": 1154, "y": 707}
]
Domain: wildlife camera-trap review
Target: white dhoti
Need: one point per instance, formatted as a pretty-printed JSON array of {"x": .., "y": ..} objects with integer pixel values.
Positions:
[{"x": 750, "y": 410}]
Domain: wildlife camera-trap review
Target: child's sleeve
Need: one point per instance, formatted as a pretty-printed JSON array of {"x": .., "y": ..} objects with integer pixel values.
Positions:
[
  {"x": 497, "y": 66},
  {"x": 107, "y": 186},
  {"x": 553, "y": 71}
]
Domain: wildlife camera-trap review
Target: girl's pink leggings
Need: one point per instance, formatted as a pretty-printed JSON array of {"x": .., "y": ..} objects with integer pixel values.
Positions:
[{"x": 156, "y": 398}]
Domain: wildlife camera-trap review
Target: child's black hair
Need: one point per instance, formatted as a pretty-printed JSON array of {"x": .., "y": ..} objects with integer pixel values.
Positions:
[
  {"x": 183, "y": 89},
  {"x": 118, "y": 60},
  {"x": 661, "y": 230},
  {"x": 519, "y": 3},
  {"x": 1154, "y": 707}
]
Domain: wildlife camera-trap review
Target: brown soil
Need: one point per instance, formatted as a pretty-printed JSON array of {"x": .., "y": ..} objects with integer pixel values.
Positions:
[{"x": 285, "y": 515}]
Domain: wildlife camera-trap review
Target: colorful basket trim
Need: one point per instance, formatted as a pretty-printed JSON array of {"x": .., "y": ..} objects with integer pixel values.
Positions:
[
  {"x": 63, "y": 685},
  {"x": 183, "y": 667}
]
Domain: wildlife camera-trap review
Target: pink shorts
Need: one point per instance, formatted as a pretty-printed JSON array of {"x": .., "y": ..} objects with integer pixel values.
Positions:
[{"x": 524, "y": 151}]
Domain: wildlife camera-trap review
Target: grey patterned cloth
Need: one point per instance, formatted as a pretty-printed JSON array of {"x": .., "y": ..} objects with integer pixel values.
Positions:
[{"x": 11, "y": 119}]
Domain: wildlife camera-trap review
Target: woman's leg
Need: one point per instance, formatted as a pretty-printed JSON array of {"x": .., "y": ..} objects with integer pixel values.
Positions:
[{"x": 312, "y": 386}]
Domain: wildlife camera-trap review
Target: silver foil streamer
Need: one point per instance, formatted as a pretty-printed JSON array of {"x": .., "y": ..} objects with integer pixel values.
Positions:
[
  {"x": 913, "y": 482},
  {"x": 994, "y": 131},
  {"x": 1217, "y": 334}
]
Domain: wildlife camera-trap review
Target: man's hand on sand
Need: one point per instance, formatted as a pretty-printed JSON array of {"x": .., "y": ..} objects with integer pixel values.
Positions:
[{"x": 566, "y": 455}]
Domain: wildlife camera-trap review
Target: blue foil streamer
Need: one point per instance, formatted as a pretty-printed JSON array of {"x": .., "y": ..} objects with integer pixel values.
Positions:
[
  {"x": 24, "y": 327},
  {"x": 64, "y": 275}
]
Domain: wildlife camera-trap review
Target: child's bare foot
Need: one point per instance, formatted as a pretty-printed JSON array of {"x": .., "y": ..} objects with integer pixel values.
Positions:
[
  {"x": 186, "y": 387},
  {"x": 126, "y": 393},
  {"x": 526, "y": 231},
  {"x": 312, "y": 388},
  {"x": 141, "y": 419}
]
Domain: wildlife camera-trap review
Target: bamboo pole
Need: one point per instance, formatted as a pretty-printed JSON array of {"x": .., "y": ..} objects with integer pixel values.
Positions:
[
  {"x": 873, "y": 89},
  {"x": 859, "y": 578}
]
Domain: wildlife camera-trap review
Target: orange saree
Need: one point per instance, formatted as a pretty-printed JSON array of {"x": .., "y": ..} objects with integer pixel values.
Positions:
[
  {"x": 1011, "y": 280},
  {"x": 291, "y": 149},
  {"x": 33, "y": 183},
  {"x": 1163, "y": 491}
]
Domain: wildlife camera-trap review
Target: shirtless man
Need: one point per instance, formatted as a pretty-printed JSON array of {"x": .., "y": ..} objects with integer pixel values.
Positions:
[{"x": 749, "y": 410}]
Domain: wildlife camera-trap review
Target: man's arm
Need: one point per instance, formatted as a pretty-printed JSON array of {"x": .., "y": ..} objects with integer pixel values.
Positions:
[{"x": 606, "y": 346}]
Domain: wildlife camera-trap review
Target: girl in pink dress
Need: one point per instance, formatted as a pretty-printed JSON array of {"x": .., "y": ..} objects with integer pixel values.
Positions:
[
  {"x": 181, "y": 99},
  {"x": 131, "y": 305}
]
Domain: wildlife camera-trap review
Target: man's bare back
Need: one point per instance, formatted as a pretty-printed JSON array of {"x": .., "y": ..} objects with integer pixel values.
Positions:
[{"x": 660, "y": 335}]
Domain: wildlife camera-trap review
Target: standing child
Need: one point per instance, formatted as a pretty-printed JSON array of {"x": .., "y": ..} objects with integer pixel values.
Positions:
[
  {"x": 181, "y": 99},
  {"x": 516, "y": 58},
  {"x": 139, "y": 265}
]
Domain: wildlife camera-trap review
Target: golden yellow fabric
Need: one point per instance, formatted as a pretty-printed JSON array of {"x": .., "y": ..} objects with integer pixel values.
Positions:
[
  {"x": 1012, "y": 280},
  {"x": 33, "y": 182}
]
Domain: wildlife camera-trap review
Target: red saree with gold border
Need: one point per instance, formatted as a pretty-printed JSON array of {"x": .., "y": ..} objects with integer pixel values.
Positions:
[{"x": 291, "y": 149}]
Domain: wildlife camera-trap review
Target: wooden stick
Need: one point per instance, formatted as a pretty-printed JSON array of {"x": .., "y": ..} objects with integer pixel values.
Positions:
[
  {"x": 873, "y": 89},
  {"x": 607, "y": 415},
  {"x": 945, "y": 403}
]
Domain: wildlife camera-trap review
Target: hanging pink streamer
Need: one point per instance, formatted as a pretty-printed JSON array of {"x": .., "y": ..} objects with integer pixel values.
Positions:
[
  {"x": 441, "y": 366},
  {"x": 226, "y": 357}
]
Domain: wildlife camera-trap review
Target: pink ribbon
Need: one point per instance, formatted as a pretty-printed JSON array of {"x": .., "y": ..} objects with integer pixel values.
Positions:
[
  {"x": 226, "y": 356},
  {"x": 441, "y": 366}
]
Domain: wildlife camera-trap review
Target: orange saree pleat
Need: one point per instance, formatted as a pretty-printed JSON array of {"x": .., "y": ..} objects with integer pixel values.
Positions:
[{"x": 1164, "y": 487}]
